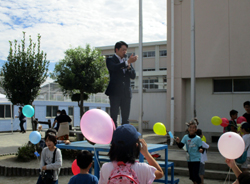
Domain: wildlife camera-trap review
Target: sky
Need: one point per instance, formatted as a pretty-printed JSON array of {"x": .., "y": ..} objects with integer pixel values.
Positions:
[{"x": 65, "y": 24}]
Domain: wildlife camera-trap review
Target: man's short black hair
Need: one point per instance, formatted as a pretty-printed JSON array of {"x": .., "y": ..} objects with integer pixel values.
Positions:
[
  {"x": 119, "y": 44},
  {"x": 233, "y": 112},
  {"x": 84, "y": 158},
  {"x": 246, "y": 103},
  {"x": 58, "y": 111}
]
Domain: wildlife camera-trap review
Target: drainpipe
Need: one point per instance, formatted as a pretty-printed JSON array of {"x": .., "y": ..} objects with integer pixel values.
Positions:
[{"x": 172, "y": 73}]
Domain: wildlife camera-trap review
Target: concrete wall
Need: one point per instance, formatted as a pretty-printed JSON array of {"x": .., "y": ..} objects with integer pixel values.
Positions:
[
  {"x": 154, "y": 107},
  {"x": 222, "y": 47},
  {"x": 209, "y": 104}
]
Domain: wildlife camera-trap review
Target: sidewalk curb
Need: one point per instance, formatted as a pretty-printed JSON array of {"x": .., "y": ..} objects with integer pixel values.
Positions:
[{"x": 20, "y": 171}]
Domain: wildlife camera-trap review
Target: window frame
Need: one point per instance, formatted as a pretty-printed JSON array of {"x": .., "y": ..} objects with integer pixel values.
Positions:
[
  {"x": 163, "y": 51},
  {"x": 149, "y": 83},
  {"x": 146, "y": 54},
  {"x": 232, "y": 86},
  {"x": 52, "y": 116},
  {"x": 4, "y": 113}
]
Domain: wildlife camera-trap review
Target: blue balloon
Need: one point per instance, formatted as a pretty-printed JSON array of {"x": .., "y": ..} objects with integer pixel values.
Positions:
[
  {"x": 36, "y": 153},
  {"x": 170, "y": 134},
  {"x": 28, "y": 111},
  {"x": 35, "y": 137}
]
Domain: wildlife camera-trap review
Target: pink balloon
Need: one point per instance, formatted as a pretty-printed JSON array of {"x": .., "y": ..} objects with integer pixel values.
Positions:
[
  {"x": 96, "y": 125},
  {"x": 231, "y": 145},
  {"x": 75, "y": 168},
  {"x": 225, "y": 122},
  {"x": 241, "y": 119}
]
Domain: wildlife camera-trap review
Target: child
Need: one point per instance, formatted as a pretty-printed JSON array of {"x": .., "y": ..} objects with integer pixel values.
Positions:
[
  {"x": 205, "y": 146},
  {"x": 245, "y": 129},
  {"x": 47, "y": 158},
  {"x": 242, "y": 177},
  {"x": 232, "y": 123},
  {"x": 84, "y": 161},
  {"x": 247, "y": 108},
  {"x": 125, "y": 148},
  {"x": 194, "y": 148}
]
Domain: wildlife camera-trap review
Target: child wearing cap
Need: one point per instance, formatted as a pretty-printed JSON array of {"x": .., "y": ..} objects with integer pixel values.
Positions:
[
  {"x": 245, "y": 129},
  {"x": 126, "y": 147}
]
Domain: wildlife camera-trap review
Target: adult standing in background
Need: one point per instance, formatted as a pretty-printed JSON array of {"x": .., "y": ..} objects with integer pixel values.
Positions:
[
  {"x": 63, "y": 126},
  {"x": 58, "y": 113},
  {"x": 22, "y": 119},
  {"x": 119, "y": 90}
]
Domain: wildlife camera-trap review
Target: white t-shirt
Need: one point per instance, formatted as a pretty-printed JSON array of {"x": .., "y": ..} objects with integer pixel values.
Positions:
[
  {"x": 246, "y": 138},
  {"x": 204, "y": 154},
  {"x": 145, "y": 172}
]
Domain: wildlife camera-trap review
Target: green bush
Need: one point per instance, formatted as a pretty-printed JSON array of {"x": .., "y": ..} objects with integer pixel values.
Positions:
[{"x": 26, "y": 152}]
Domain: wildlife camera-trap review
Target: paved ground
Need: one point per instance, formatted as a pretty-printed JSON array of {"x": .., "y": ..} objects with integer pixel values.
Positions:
[
  {"x": 10, "y": 143},
  {"x": 65, "y": 180}
]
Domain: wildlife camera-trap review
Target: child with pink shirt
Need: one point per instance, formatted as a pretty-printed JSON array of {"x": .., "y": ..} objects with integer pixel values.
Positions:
[{"x": 125, "y": 148}]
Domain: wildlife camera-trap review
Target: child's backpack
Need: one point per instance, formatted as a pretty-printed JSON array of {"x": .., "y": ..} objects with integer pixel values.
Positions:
[{"x": 123, "y": 173}]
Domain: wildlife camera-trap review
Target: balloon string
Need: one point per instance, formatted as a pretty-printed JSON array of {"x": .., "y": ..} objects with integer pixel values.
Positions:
[
  {"x": 96, "y": 158},
  {"x": 228, "y": 176},
  {"x": 37, "y": 157}
]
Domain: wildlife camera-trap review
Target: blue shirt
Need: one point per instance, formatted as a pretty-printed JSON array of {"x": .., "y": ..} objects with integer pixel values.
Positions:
[
  {"x": 193, "y": 145},
  {"x": 83, "y": 179}
]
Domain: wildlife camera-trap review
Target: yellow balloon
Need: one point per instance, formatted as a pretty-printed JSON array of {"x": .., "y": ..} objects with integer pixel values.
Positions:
[
  {"x": 159, "y": 128},
  {"x": 216, "y": 120},
  {"x": 204, "y": 139},
  {"x": 239, "y": 130}
]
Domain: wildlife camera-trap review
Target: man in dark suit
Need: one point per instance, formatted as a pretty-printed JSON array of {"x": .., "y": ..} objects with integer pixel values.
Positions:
[{"x": 119, "y": 90}]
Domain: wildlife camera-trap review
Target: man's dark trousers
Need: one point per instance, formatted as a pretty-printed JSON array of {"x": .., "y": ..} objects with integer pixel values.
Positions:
[{"x": 124, "y": 103}]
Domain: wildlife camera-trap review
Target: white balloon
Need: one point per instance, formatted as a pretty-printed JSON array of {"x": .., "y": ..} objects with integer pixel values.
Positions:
[{"x": 231, "y": 145}]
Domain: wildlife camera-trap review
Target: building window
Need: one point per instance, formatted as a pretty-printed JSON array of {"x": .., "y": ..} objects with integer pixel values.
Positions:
[
  {"x": 149, "y": 54},
  {"x": 109, "y": 55},
  {"x": 149, "y": 83},
  {"x": 241, "y": 85},
  {"x": 231, "y": 85},
  {"x": 163, "y": 68},
  {"x": 132, "y": 84},
  {"x": 51, "y": 111},
  {"x": 85, "y": 109},
  {"x": 71, "y": 111},
  {"x": 150, "y": 69},
  {"x": 163, "y": 52},
  {"x": 108, "y": 110},
  {"x": 129, "y": 54},
  {"x": 5, "y": 111}
]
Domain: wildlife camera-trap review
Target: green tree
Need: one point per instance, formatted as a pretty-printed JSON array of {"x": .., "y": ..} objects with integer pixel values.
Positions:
[
  {"x": 24, "y": 72},
  {"x": 82, "y": 72}
]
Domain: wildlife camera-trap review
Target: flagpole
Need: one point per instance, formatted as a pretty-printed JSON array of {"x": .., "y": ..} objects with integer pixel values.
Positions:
[{"x": 140, "y": 69}]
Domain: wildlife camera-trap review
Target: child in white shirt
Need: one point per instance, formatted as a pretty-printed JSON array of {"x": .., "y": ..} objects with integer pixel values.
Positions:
[
  {"x": 126, "y": 147},
  {"x": 205, "y": 146}
]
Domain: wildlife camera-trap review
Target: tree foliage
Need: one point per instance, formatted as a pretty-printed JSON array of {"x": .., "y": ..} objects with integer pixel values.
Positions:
[
  {"x": 80, "y": 73},
  {"x": 24, "y": 72}
]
